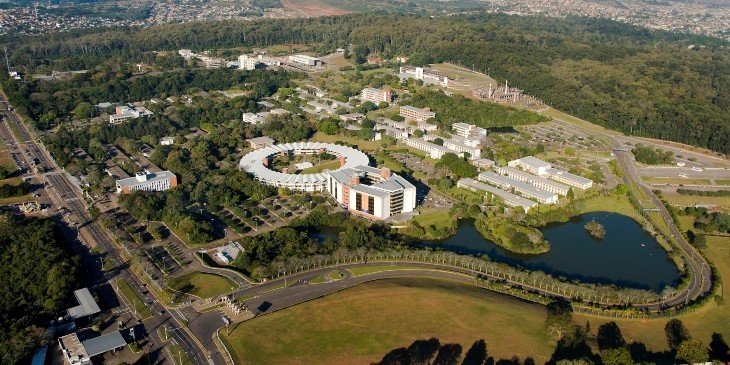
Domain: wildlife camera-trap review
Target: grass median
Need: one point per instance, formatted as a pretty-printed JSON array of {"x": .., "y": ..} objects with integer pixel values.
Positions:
[
  {"x": 364, "y": 270},
  {"x": 134, "y": 301}
]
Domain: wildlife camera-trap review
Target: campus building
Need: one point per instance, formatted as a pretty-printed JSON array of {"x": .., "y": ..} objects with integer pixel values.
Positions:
[
  {"x": 246, "y": 62},
  {"x": 428, "y": 75},
  {"x": 469, "y": 131},
  {"x": 507, "y": 198},
  {"x": 125, "y": 112},
  {"x": 531, "y": 164},
  {"x": 260, "y": 142},
  {"x": 144, "y": 181},
  {"x": 534, "y": 180},
  {"x": 375, "y": 95},
  {"x": 483, "y": 163},
  {"x": 473, "y": 151},
  {"x": 525, "y": 189},
  {"x": 567, "y": 178},
  {"x": 305, "y": 60},
  {"x": 434, "y": 151},
  {"x": 254, "y": 118},
  {"x": 372, "y": 192},
  {"x": 539, "y": 167},
  {"x": 408, "y": 127},
  {"x": 411, "y": 112},
  {"x": 392, "y": 132}
]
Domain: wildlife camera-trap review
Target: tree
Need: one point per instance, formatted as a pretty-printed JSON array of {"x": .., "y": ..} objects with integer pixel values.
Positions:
[
  {"x": 571, "y": 194},
  {"x": 418, "y": 133},
  {"x": 616, "y": 356},
  {"x": 329, "y": 127},
  {"x": 559, "y": 321},
  {"x": 692, "y": 352},
  {"x": 676, "y": 333},
  {"x": 609, "y": 336},
  {"x": 84, "y": 110},
  {"x": 438, "y": 141}
]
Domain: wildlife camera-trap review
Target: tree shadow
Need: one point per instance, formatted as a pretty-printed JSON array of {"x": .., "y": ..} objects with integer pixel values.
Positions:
[
  {"x": 719, "y": 349},
  {"x": 477, "y": 354}
]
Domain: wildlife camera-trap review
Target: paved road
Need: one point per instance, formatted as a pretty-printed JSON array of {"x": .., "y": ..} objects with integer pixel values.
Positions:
[
  {"x": 64, "y": 193},
  {"x": 700, "y": 275}
]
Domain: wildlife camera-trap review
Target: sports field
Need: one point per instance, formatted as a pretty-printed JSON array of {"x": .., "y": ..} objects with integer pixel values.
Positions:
[{"x": 362, "y": 324}]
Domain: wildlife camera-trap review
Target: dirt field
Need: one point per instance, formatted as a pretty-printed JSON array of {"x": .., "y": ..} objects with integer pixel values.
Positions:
[{"x": 312, "y": 8}]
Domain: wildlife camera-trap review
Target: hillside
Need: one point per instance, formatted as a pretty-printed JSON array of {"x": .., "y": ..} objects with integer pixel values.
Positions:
[{"x": 626, "y": 78}]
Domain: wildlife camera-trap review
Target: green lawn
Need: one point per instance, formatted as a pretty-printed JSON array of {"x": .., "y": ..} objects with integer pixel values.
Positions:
[
  {"x": 360, "y": 325},
  {"x": 133, "y": 300},
  {"x": 318, "y": 280},
  {"x": 329, "y": 165},
  {"x": 687, "y": 200},
  {"x": 722, "y": 182},
  {"x": 179, "y": 357},
  {"x": 357, "y": 271},
  {"x": 202, "y": 285},
  {"x": 439, "y": 218},
  {"x": 674, "y": 180},
  {"x": 336, "y": 275},
  {"x": 612, "y": 203}
]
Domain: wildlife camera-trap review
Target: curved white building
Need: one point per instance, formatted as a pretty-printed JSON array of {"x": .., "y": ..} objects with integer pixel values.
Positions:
[{"x": 256, "y": 163}]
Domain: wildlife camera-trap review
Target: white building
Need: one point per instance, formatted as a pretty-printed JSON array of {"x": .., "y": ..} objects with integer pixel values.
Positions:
[
  {"x": 428, "y": 75},
  {"x": 392, "y": 132},
  {"x": 483, "y": 163},
  {"x": 246, "y": 62},
  {"x": 531, "y": 164},
  {"x": 411, "y": 112},
  {"x": 124, "y": 113},
  {"x": 474, "y": 152},
  {"x": 143, "y": 181},
  {"x": 469, "y": 130},
  {"x": 569, "y": 179},
  {"x": 508, "y": 198},
  {"x": 213, "y": 62},
  {"x": 167, "y": 141},
  {"x": 260, "y": 142},
  {"x": 375, "y": 95},
  {"x": 305, "y": 60},
  {"x": 186, "y": 53},
  {"x": 534, "y": 180},
  {"x": 525, "y": 189},
  {"x": 253, "y": 118},
  {"x": 375, "y": 193},
  {"x": 434, "y": 151}
]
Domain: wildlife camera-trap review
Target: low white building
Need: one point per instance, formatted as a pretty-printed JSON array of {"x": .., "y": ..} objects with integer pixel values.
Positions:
[
  {"x": 167, "y": 141},
  {"x": 434, "y": 151},
  {"x": 507, "y": 198},
  {"x": 144, "y": 181},
  {"x": 125, "y": 112},
  {"x": 469, "y": 130},
  {"x": 567, "y": 178},
  {"x": 411, "y": 112},
  {"x": 305, "y": 60},
  {"x": 531, "y": 164},
  {"x": 534, "y": 180},
  {"x": 253, "y": 118}
]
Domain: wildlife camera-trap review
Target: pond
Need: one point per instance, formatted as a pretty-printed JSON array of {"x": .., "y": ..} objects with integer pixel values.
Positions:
[{"x": 628, "y": 256}]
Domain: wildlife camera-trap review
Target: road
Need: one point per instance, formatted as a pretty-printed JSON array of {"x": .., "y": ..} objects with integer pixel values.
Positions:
[
  {"x": 64, "y": 193},
  {"x": 700, "y": 275}
]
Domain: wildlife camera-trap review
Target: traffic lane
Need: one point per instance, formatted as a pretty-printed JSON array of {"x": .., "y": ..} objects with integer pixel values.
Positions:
[{"x": 674, "y": 172}]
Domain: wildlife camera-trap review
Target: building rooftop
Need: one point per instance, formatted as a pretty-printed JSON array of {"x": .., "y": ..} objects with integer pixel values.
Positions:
[
  {"x": 509, "y": 198},
  {"x": 132, "y": 181},
  {"x": 104, "y": 343},
  {"x": 261, "y": 140},
  {"x": 87, "y": 304},
  {"x": 568, "y": 175},
  {"x": 534, "y": 162},
  {"x": 529, "y": 176}
]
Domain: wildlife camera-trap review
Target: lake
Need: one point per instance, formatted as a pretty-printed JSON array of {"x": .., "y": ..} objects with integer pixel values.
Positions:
[{"x": 628, "y": 256}]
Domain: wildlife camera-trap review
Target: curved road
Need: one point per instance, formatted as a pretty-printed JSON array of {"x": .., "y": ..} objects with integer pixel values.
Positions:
[{"x": 700, "y": 274}]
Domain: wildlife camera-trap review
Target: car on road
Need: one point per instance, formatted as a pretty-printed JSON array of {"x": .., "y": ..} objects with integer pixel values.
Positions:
[{"x": 162, "y": 312}]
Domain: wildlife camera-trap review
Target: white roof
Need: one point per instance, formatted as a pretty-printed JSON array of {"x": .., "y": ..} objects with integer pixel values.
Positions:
[
  {"x": 534, "y": 162},
  {"x": 132, "y": 181},
  {"x": 253, "y": 162},
  {"x": 532, "y": 177}
]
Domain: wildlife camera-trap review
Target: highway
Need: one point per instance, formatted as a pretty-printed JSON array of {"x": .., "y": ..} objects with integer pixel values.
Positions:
[
  {"x": 700, "y": 274},
  {"x": 65, "y": 194}
]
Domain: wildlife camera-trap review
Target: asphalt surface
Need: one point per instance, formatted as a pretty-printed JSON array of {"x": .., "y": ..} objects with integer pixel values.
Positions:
[{"x": 65, "y": 194}]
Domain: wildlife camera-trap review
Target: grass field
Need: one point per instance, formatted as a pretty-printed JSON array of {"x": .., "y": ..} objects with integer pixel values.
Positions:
[
  {"x": 722, "y": 182},
  {"x": 439, "y": 218},
  {"x": 357, "y": 271},
  {"x": 687, "y": 200},
  {"x": 614, "y": 204},
  {"x": 360, "y": 325},
  {"x": 674, "y": 180},
  {"x": 329, "y": 165},
  {"x": 363, "y": 145},
  {"x": 202, "y": 285},
  {"x": 133, "y": 300}
]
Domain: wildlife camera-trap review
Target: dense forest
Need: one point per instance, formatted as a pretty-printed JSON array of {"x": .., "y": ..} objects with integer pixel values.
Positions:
[
  {"x": 36, "y": 280},
  {"x": 624, "y": 77}
]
